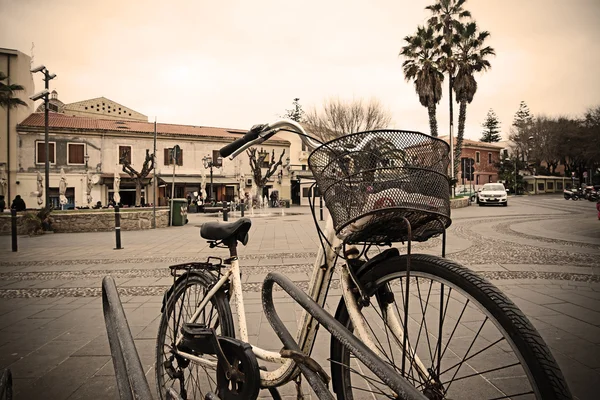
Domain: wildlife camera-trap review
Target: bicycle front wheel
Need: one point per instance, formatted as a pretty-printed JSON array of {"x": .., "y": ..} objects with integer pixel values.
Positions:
[
  {"x": 189, "y": 379},
  {"x": 466, "y": 339}
]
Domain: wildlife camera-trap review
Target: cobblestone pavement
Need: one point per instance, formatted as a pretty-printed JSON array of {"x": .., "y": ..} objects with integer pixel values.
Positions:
[{"x": 544, "y": 252}]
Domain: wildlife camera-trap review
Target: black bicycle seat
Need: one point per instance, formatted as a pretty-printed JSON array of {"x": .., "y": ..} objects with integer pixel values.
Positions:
[{"x": 225, "y": 230}]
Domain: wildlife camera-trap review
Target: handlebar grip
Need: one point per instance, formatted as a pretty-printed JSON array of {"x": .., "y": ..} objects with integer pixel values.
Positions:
[
  {"x": 233, "y": 146},
  {"x": 236, "y": 144}
]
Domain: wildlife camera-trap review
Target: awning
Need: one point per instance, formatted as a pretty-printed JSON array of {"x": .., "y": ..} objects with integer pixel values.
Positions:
[
  {"x": 196, "y": 180},
  {"x": 181, "y": 179}
]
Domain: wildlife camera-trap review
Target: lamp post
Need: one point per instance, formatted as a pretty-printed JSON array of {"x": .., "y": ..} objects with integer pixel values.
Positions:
[
  {"x": 209, "y": 163},
  {"x": 47, "y": 78}
]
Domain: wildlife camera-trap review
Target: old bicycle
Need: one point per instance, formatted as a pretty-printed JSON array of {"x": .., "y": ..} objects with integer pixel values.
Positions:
[{"x": 440, "y": 330}]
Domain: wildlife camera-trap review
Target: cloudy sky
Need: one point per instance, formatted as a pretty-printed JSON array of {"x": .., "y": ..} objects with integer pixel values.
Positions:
[{"x": 234, "y": 63}]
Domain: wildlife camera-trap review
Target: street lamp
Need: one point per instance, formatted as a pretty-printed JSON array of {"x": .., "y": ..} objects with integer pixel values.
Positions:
[
  {"x": 209, "y": 164},
  {"x": 47, "y": 78}
]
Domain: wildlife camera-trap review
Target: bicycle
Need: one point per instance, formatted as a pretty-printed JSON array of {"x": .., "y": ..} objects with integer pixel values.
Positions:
[{"x": 437, "y": 327}]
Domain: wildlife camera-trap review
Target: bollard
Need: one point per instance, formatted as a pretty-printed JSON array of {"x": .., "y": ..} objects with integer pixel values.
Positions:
[
  {"x": 321, "y": 206},
  {"x": 13, "y": 223},
  {"x": 225, "y": 212},
  {"x": 242, "y": 206},
  {"x": 118, "y": 228}
]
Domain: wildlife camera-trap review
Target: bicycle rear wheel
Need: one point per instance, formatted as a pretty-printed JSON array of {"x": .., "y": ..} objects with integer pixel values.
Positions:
[
  {"x": 471, "y": 340},
  {"x": 189, "y": 379}
]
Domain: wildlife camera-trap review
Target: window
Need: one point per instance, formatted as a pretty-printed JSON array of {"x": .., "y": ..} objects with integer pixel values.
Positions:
[
  {"x": 264, "y": 157},
  {"x": 169, "y": 156},
  {"x": 41, "y": 153},
  {"x": 505, "y": 153},
  {"x": 550, "y": 185},
  {"x": 75, "y": 153},
  {"x": 217, "y": 159},
  {"x": 489, "y": 158},
  {"x": 477, "y": 157},
  {"x": 540, "y": 186},
  {"x": 307, "y": 192},
  {"x": 125, "y": 152},
  {"x": 559, "y": 186}
]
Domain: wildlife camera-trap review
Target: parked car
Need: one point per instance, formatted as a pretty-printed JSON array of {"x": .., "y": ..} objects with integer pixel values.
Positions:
[
  {"x": 492, "y": 193},
  {"x": 466, "y": 191}
]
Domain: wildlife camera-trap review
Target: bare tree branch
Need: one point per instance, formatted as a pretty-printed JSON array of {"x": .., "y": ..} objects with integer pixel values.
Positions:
[{"x": 339, "y": 118}]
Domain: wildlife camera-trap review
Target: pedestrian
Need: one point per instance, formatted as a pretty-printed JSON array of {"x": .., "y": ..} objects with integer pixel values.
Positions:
[
  {"x": 598, "y": 208},
  {"x": 18, "y": 203},
  {"x": 2, "y": 204}
]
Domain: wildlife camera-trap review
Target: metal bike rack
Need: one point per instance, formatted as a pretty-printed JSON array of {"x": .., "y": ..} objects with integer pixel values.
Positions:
[
  {"x": 131, "y": 380},
  {"x": 383, "y": 370},
  {"x": 6, "y": 385}
]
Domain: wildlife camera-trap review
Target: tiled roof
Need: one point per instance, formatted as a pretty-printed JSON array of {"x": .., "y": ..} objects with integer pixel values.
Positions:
[
  {"x": 93, "y": 124},
  {"x": 475, "y": 143}
]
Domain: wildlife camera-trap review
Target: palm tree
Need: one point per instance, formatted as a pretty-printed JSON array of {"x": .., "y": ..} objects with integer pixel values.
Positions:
[
  {"x": 422, "y": 65},
  {"x": 470, "y": 57},
  {"x": 446, "y": 17},
  {"x": 7, "y": 92}
]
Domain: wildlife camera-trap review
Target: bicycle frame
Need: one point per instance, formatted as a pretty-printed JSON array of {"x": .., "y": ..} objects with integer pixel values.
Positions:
[
  {"x": 318, "y": 287},
  {"x": 323, "y": 269}
]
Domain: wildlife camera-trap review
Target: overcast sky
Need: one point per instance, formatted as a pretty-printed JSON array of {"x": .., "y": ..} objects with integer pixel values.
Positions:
[{"x": 234, "y": 63}]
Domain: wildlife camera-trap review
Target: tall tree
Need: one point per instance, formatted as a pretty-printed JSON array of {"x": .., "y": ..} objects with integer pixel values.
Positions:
[
  {"x": 520, "y": 130},
  {"x": 446, "y": 17},
  {"x": 7, "y": 93},
  {"x": 138, "y": 177},
  {"x": 296, "y": 113},
  {"x": 470, "y": 57},
  {"x": 422, "y": 65},
  {"x": 491, "y": 128},
  {"x": 259, "y": 160},
  {"x": 339, "y": 118}
]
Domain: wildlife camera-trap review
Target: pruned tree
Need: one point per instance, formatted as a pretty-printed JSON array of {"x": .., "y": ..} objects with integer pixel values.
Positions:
[
  {"x": 339, "y": 118},
  {"x": 259, "y": 161},
  {"x": 138, "y": 177},
  {"x": 491, "y": 128}
]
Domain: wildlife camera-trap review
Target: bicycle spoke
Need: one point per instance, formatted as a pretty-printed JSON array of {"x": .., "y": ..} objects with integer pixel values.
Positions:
[
  {"x": 485, "y": 372},
  {"x": 454, "y": 329},
  {"x": 365, "y": 377},
  {"x": 423, "y": 322}
]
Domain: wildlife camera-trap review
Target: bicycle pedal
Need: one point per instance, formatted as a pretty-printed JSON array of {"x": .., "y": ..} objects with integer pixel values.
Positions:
[{"x": 197, "y": 338}]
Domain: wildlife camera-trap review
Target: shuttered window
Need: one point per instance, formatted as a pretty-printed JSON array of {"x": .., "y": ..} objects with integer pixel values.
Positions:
[
  {"x": 169, "y": 156},
  {"x": 125, "y": 151},
  {"x": 41, "y": 153},
  {"x": 76, "y": 153}
]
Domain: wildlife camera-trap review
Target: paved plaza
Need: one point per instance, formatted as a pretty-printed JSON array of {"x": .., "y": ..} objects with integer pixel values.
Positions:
[{"x": 544, "y": 252}]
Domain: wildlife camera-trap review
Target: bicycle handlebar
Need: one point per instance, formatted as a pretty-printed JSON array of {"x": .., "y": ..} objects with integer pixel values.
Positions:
[{"x": 259, "y": 133}]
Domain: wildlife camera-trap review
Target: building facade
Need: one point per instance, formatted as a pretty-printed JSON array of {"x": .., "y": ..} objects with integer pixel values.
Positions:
[
  {"x": 16, "y": 66},
  {"x": 79, "y": 145},
  {"x": 483, "y": 157}
]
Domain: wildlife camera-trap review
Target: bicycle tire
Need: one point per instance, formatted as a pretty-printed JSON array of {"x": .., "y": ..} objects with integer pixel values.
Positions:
[
  {"x": 548, "y": 381},
  {"x": 223, "y": 323}
]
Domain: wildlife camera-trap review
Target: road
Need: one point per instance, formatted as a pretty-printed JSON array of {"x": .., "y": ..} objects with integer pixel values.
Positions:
[{"x": 543, "y": 251}]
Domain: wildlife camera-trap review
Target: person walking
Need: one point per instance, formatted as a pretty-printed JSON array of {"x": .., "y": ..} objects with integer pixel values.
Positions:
[
  {"x": 598, "y": 208},
  {"x": 2, "y": 204},
  {"x": 18, "y": 203}
]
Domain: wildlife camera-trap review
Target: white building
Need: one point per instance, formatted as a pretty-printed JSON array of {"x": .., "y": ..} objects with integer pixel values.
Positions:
[{"x": 80, "y": 144}]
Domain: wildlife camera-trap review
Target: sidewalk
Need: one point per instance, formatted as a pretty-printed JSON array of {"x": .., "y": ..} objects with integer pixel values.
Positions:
[{"x": 52, "y": 332}]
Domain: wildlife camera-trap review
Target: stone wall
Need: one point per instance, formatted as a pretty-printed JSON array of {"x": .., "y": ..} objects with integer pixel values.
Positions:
[
  {"x": 459, "y": 203},
  {"x": 92, "y": 221}
]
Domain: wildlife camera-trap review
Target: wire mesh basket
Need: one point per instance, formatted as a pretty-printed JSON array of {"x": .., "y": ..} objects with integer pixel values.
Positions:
[{"x": 372, "y": 180}]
